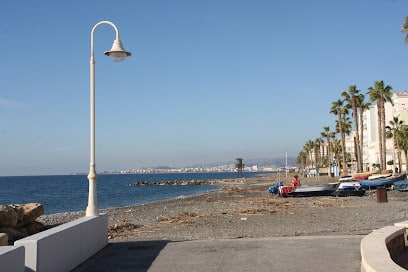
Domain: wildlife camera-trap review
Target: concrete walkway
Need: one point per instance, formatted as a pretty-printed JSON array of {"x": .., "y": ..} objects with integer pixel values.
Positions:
[{"x": 322, "y": 253}]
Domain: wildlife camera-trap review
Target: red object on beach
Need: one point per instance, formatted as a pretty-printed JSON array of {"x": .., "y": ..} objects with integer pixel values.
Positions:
[
  {"x": 285, "y": 190},
  {"x": 295, "y": 181}
]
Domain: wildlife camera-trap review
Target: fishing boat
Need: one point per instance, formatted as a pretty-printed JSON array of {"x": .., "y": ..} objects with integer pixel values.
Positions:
[
  {"x": 361, "y": 177},
  {"x": 350, "y": 188},
  {"x": 381, "y": 182},
  {"x": 354, "y": 177},
  {"x": 327, "y": 189}
]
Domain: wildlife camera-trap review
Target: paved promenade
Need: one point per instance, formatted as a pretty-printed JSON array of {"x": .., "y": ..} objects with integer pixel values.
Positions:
[{"x": 292, "y": 254}]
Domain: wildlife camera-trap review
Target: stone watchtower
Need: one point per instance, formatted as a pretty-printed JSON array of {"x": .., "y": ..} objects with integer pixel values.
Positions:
[{"x": 239, "y": 165}]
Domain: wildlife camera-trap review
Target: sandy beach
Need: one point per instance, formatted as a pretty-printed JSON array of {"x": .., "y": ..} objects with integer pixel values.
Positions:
[{"x": 243, "y": 208}]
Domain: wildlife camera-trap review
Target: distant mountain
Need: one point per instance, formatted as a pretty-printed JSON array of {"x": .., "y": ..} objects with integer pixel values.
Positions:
[
  {"x": 162, "y": 167},
  {"x": 278, "y": 162}
]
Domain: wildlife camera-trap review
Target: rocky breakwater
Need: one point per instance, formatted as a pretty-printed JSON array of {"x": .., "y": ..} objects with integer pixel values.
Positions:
[
  {"x": 18, "y": 221},
  {"x": 174, "y": 182}
]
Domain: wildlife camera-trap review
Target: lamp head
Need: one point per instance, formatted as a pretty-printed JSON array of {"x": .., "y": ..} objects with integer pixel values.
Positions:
[{"x": 117, "y": 52}]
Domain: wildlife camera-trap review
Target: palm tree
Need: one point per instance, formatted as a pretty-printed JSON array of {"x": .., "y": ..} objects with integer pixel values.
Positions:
[
  {"x": 339, "y": 109},
  {"x": 318, "y": 152},
  {"x": 332, "y": 137},
  {"x": 381, "y": 94},
  {"x": 393, "y": 131},
  {"x": 326, "y": 134},
  {"x": 404, "y": 29},
  {"x": 336, "y": 147},
  {"x": 347, "y": 128},
  {"x": 363, "y": 106},
  {"x": 308, "y": 148},
  {"x": 403, "y": 143},
  {"x": 301, "y": 159},
  {"x": 351, "y": 97}
]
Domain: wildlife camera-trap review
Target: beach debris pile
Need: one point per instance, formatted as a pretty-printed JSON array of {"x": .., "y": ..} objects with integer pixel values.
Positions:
[
  {"x": 185, "y": 218},
  {"x": 120, "y": 230},
  {"x": 18, "y": 221}
]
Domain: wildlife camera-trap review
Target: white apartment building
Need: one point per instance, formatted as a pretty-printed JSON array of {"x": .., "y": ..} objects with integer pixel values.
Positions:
[{"x": 370, "y": 133}]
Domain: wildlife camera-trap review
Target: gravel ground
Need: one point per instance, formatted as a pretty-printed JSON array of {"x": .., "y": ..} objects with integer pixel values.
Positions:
[{"x": 244, "y": 209}]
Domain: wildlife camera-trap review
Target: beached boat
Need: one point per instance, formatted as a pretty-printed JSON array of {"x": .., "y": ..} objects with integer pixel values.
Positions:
[
  {"x": 381, "y": 182},
  {"x": 361, "y": 177},
  {"x": 350, "y": 188},
  {"x": 355, "y": 177},
  {"x": 328, "y": 189}
]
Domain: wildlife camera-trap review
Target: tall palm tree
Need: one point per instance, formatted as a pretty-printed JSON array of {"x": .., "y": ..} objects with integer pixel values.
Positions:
[
  {"x": 301, "y": 159},
  {"x": 381, "y": 94},
  {"x": 339, "y": 109},
  {"x": 351, "y": 97},
  {"x": 404, "y": 29},
  {"x": 347, "y": 128},
  {"x": 308, "y": 147},
  {"x": 336, "y": 148},
  {"x": 332, "y": 136},
  {"x": 318, "y": 153},
  {"x": 403, "y": 144},
  {"x": 363, "y": 106},
  {"x": 326, "y": 134},
  {"x": 393, "y": 131}
]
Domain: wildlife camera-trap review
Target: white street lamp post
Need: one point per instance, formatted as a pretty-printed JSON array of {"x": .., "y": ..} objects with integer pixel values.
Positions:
[{"x": 117, "y": 54}]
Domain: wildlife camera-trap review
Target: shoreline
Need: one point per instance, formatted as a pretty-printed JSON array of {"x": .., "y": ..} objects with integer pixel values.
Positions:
[
  {"x": 246, "y": 210},
  {"x": 64, "y": 217}
]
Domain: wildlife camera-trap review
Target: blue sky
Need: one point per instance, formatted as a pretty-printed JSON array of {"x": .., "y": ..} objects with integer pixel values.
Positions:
[{"x": 208, "y": 81}]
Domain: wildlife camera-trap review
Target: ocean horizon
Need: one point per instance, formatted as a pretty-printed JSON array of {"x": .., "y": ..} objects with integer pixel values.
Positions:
[{"x": 69, "y": 193}]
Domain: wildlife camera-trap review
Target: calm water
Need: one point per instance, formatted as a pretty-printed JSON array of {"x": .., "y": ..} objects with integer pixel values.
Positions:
[{"x": 69, "y": 193}]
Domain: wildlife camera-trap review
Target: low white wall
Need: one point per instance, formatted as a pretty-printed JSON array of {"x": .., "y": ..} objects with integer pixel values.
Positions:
[
  {"x": 12, "y": 259},
  {"x": 375, "y": 255},
  {"x": 64, "y": 247}
]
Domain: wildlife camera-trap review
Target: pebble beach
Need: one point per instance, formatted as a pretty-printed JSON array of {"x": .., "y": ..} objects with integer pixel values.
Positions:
[{"x": 243, "y": 208}]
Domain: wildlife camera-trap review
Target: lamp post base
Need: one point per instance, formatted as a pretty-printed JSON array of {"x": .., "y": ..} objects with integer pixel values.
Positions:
[{"x": 92, "y": 209}]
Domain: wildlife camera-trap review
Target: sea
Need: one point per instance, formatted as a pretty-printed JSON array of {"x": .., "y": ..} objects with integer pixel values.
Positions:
[{"x": 69, "y": 193}]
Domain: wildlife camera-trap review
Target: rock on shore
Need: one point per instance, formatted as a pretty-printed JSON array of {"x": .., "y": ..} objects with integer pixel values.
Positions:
[{"x": 18, "y": 221}]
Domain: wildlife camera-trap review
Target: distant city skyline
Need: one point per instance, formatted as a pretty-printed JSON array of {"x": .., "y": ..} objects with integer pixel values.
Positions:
[
  {"x": 253, "y": 165},
  {"x": 207, "y": 81},
  {"x": 261, "y": 163}
]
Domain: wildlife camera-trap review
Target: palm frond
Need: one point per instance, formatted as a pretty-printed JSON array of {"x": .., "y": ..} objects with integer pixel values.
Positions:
[{"x": 404, "y": 29}]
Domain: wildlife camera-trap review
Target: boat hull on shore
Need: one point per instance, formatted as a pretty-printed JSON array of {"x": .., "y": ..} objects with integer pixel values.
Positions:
[
  {"x": 346, "y": 193},
  {"x": 401, "y": 185},
  {"x": 314, "y": 190},
  {"x": 381, "y": 182},
  {"x": 349, "y": 188}
]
